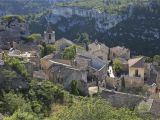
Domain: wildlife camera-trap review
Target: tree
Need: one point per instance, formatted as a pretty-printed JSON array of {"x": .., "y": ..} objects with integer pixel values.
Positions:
[
  {"x": 83, "y": 38},
  {"x": 47, "y": 49},
  {"x": 42, "y": 94},
  {"x": 69, "y": 52},
  {"x": 156, "y": 59},
  {"x": 13, "y": 102},
  {"x": 148, "y": 59},
  {"x": 117, "y": 66}
]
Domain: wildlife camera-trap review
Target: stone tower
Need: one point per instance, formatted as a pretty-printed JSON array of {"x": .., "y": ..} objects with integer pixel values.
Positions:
[{"x": 49, "y": 35}]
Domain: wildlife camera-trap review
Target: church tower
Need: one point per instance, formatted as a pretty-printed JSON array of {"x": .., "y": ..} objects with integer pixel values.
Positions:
[{"x": 49, "y": 35}]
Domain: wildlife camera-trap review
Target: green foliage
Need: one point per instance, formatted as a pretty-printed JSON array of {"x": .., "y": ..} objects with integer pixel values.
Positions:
[
  {"x": 42, "y": 94},
  {"x": 16, "y": 65},
  {"x": 74, "y": 87},
  {"x": 19, "y": 115},
  {"x": 156, "y": 59},
  {"x": 33, "y": 37},
  {"x": 93, "y": 109},
  {"x": 13, "y": 102},
  {"x": 47, "y": 49},
  {"x": 117, "y": 66},
  {"x": 148, "y": 59},
  {"x": 69, "y": 52},
  {"x": 9, "y": 18}
]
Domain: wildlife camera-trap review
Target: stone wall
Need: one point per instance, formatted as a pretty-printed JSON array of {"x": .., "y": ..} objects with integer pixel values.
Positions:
[
  {"x": 119, "y": 99},
  {"x": 133, "y": 82}
]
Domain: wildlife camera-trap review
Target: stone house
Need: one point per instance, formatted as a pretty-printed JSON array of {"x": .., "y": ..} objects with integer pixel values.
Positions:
[
  {"x": 136, "y": 67},
  {"x": 96, "y": 67},
  {"x": 49, "y": 35},
  {"x": 136, "y": 73},
  {"x": 63, "y": 43},
  {"x": 119, "y": 52},
  {"x": 99, "y": 50}
]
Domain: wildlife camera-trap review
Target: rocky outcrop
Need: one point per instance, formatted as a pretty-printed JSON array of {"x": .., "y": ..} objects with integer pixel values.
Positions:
[{"x": 12, "y": 30}]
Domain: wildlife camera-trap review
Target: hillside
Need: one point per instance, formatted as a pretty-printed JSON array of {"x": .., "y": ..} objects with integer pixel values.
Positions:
[
  {"x": 23, "y": 7},
  {"x": 109, "y": 6}
]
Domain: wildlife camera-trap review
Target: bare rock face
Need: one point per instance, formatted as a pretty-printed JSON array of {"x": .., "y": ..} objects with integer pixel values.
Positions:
[{"x": 12, "y": 30}]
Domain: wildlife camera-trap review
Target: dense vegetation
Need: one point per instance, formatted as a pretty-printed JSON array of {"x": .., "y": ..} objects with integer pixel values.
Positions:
[{"x": 109, "y": 6}]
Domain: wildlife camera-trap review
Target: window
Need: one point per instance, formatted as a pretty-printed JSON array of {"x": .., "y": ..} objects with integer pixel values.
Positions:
[
  {"x": 49, "y": 36},
  {"x": 136, "y": 73}
]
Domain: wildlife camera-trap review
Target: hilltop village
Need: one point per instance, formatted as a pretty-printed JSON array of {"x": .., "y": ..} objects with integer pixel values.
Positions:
[{"x": 114, "y": 74}]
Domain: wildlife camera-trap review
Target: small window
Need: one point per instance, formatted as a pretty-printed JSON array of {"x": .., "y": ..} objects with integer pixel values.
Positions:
[
  {"x": 136, "y": 73},
  {"x": 49, "y": 36}
]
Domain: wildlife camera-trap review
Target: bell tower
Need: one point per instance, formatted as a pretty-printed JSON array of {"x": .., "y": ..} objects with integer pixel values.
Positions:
[{"x": 49, "y": 35}]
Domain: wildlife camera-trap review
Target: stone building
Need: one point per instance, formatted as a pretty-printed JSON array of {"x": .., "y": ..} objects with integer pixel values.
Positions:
[
  {"x": 63, "y": 72},
  {"x": 136, "y": 67},
  {"x": 135, "y": 78},
  {"x": 49, "y": 35},
  {"x": 119, "y": 52},
  {"x": 99, "y": 50},
  {"x": 63, "y": 43}
]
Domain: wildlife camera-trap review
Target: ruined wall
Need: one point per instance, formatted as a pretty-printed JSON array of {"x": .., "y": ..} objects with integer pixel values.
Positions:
[
  {"x": 65, "y": 75},
  {"x": 118, "y": 99}
]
